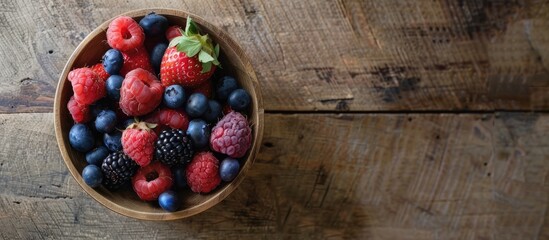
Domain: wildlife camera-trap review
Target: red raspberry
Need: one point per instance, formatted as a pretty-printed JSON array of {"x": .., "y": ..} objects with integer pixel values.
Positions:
[
  {"x": 125, "y": 34},
  {"x": 86, "y": 85},
  {"x": 150, "y": 181},
  {"x": 141, "y": 93},
  {"x": 138, "y": 142},
  {"x": 204, "y": 88},
  {"x": 135, "y": 58},
  {"x": 173, "y": 31},
  {"x": 203, "y": 173},
  {"x": 100, "y": 71},
  {"x": 170, "y": 117},
  {"x": 231, "y": 135},
  {"x": 80, "y": 113}
]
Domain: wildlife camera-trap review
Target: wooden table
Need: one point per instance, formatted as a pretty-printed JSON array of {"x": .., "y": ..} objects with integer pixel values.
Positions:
[{"x": 384, "y": 120}]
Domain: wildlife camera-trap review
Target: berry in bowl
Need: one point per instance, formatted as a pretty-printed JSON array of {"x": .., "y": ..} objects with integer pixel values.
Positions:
[{"x": 158, "y": 114}]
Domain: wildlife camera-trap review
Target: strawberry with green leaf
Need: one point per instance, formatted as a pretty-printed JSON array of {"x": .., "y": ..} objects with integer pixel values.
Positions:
[{"x": 190, "y": 59}]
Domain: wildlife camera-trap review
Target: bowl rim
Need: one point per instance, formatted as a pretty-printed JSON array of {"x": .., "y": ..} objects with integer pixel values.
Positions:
[{"x": 213, "y": 199}]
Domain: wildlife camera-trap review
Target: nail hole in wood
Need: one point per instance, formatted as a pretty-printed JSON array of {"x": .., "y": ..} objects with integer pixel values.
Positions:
[
  {"x": 50, "y": 51},
  {"x": 489, "y": 174},
  {"x": 409, "y": 119},
  {"x": 437, "y": 137},
  {"x": 485, "y": 164}
]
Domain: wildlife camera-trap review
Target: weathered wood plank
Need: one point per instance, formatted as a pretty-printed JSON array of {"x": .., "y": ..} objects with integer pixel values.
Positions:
[
  {"x": 320, "y": 55},
  {"x": 318, "y": 176}
]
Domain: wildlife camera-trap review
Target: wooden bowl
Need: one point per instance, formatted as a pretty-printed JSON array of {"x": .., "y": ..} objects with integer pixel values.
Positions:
[{"x": 126, "y": 202}]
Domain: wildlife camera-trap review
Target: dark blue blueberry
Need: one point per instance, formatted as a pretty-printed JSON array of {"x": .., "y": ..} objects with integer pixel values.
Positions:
[
  {"x": 97, "y": 155},
  {"x": 197, "y": 104},
  {"x": 229, "y": 169},
  {"x": 127, "y": 123},
  {"x": 97, "y": 107},
  {"x": 81, "y": 138},
  {"x": 92, "y": 175},
  {"x": 174, "y": 96},
  {"x": 179, "y": 177},
  {"x": 113, "y": 85},
  {"x": 199, "y": 132},
  {"x": 224, "y": 87},
  {"x": 157, "y": 54},
  {"x": 154, "y": 24},
  {"x": 239, "y": 100},
  {"x": 105, "y": 121},
  {"x": 169, "y": 201},
  {"x": 213, "y": 112},
  {"x": 113, "y": 141},
  {"x": 113, "y": 61}
]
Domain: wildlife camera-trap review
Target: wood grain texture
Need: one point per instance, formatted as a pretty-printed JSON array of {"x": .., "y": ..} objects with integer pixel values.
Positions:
[
  {"x": 340, "y": 55},
  {"x": 318, "y": 176}
]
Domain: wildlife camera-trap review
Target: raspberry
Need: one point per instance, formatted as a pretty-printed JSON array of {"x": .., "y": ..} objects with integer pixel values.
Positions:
[
  {"x": 174, "y": 148},
  {"x": 138, "y": 142},
  {"x": 80, "y": 113},
  {"x": 125, "y": 34},
  {"x": 100, "y": 71},
  {"x": 135, "y": 58},
  {"x": 169, "y": 117},
  {"x": 172, "y": 32},
  {"x": 86, "y": 85},
  {"x": 117, "y": 169},
  {"x": 227, "y": 109},
  {"x": 203, "y": 173},
  {"x": 141, "y": 93},
  {"x": 204, "y": 88},
  {"x": 150, "y": 181},
  {"x": 231, "y": 135}
]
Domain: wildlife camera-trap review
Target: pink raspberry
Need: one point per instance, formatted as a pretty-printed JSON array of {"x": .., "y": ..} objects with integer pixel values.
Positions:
[
  {"x": 203, "y": 173},
  {"x": 231, "y": 135}
]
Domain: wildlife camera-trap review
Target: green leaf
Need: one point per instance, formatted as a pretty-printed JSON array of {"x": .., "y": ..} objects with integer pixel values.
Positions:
[
  {"x": 189, "y": 45},
  {"x": 206, "y": 67},
  {"x": 175, "y": 41},
  {"x": 216, "y": 50},
  {"x": 204, "y": 57},
  {"x": 191, "y": 28}
]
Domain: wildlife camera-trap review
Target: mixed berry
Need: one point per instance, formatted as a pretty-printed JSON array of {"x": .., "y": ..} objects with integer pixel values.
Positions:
[{"x": 150, "y": 117}]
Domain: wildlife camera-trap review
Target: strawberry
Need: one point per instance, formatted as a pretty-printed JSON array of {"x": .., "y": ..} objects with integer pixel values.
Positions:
[
  {"x": 138, "y": 142},
  {"x": 100, "y": 71},
  {"x": 204, "y": 88},
  {"x": 141, "y": 93},
  {"x": 170, "y": 117},
  {"x": 136, "y": 58},
  {"x": 190, "y": 59},
  {"x": 173, "y": 32}
]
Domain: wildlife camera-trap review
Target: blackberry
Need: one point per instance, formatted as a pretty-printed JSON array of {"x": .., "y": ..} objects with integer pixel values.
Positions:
[
  {"x": 117, "y": 169},
  {"x": 174, "y": 148}
]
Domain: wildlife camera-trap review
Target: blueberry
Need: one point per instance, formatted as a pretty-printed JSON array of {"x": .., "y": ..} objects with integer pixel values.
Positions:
[
  {"x": 113, "y": 85},
  {"x": 197, "y": 104},
  {"x": 239, "y": 100},
  {"x": 92, "y": 175},
  {"x": 174, "y": 96},
  {"x": 169, "y": 201},
  {"x": 113, "y": 141},
  {"x": 213, "y": 111},
  {"x": 229, "y": 169},
  {"x": 179, "y": 177},
  {"x": 105, "y": 121},
  {"x": 113, "y": 61},
  {"x": 97, "y": 107},
  {"x": 154, "y": 24},
  {"x": 127, "y": 123},
  {"x": 199, "y": 132},
  {"x": 97, "y": 155},
  {"x": 157, "y": 54},
  {"x": 224, "y": 87},
  {"x": 81, "y": 138}
]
